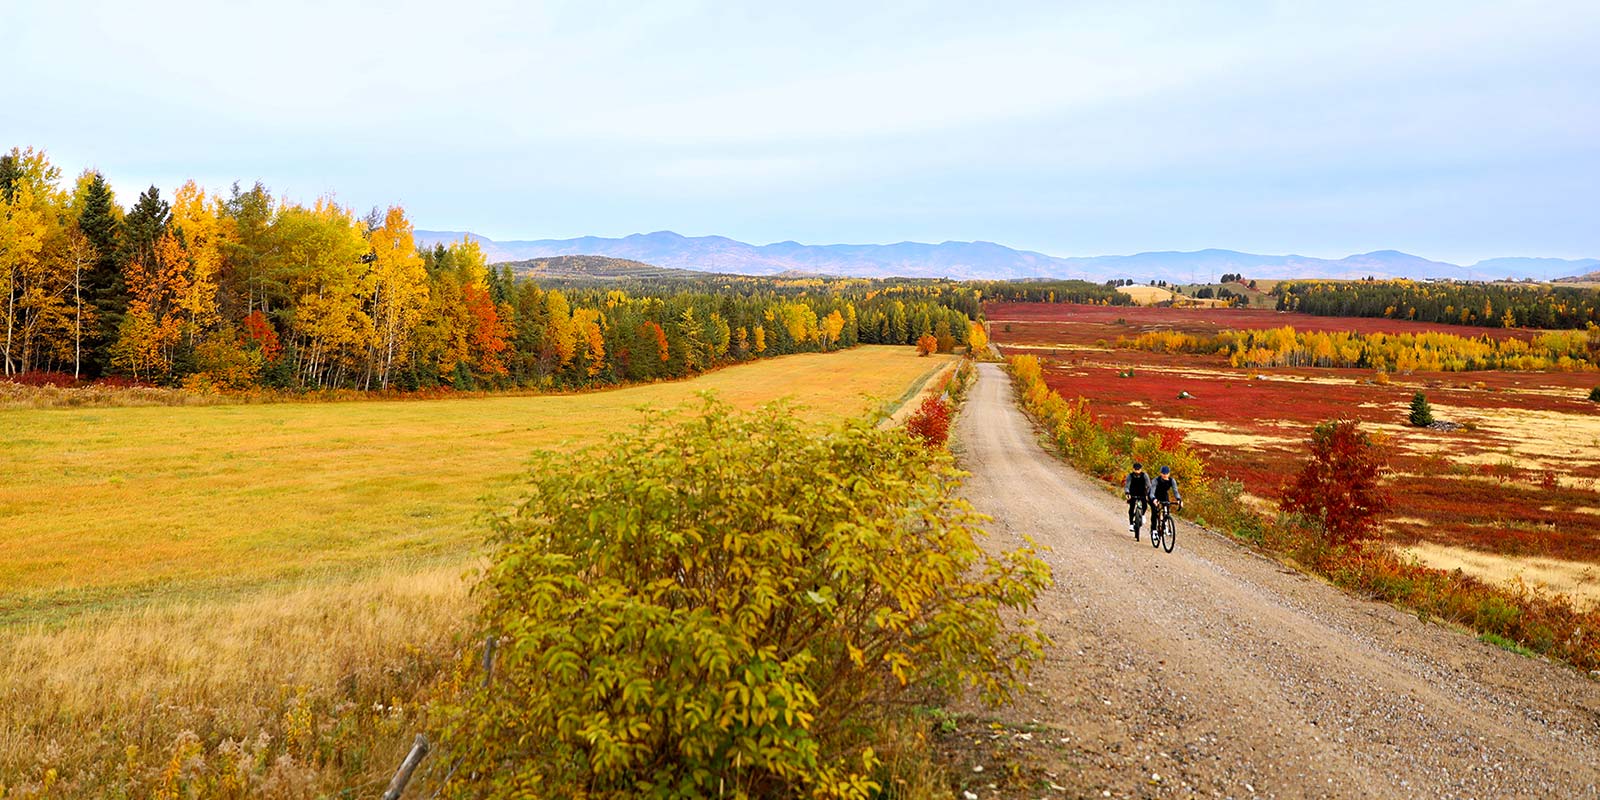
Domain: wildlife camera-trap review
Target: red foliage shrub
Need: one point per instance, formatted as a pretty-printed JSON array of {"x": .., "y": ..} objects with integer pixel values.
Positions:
[
  {"x": 1171, "y": 438},
  {"x": 931, "y": 421},
  {"x": 927, "y": 344},
  {"x": 58, "y": 379},
  {"x": 260, "y": 331},
  {"x": 1339, "y": 485}
]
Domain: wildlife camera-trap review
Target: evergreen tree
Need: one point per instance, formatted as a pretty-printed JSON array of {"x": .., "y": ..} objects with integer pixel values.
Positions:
[
  {"x": 98, "y": 220},
  {"x": 1421, "y": 412},
  {"x": 10, "y": 172},
  {"x": 143, "y": 226}
]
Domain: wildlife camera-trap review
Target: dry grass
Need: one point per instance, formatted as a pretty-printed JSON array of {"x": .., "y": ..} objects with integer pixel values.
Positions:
[
  {"x": 1578, "y": 580},
  {"x": 1146, "y": 295},
  {"x": 288, "y": 694},
  {"x": 256, "y": 601}
]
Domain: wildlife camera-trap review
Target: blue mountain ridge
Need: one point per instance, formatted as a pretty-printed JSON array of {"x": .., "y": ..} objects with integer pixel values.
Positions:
[{"x": 988, "y": 260}]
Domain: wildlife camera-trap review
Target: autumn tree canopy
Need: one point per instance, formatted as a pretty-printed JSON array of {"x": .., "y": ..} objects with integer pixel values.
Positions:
[{"x": 239, "y": 289}]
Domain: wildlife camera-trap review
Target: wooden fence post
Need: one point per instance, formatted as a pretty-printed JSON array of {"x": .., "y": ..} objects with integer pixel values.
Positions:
[
  {"x": 402, "y": 776},
  {"x": 489, "y": 645}
]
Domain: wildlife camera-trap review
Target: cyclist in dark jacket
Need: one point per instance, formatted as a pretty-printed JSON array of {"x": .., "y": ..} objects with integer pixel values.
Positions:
[
  {"x": 1138, "y": 489},
  {"x": 1166, "y": 488}
]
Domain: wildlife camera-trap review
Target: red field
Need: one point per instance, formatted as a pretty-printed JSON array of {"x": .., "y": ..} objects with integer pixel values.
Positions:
[{"x": 1519, "y": 479}]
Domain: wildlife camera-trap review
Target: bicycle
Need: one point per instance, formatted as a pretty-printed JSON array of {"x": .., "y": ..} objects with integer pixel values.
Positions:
[
  {"x": 1136, "y": 514},
  {"x": 1163, "y": 528}
]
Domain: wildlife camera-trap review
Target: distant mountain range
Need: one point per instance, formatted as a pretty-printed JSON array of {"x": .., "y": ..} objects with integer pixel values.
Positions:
[{"x": 987, "y": 260}]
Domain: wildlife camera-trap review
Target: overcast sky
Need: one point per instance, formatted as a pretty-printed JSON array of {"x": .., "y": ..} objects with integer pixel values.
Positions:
[{"x": 1453, "y": 130}]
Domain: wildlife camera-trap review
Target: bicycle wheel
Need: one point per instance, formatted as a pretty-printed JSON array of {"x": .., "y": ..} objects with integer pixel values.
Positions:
[
  {"x": 1155, "y": 533},
  {"x": 1169, "y": 537}
]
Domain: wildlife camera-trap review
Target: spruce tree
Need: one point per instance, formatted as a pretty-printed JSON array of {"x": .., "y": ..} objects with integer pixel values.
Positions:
[
  {"x": 143, "y": 226},
  {"x": 10, "y": 173},
  {"x": 1421, "y": 412},
  {"x": 98, "y": 221}
]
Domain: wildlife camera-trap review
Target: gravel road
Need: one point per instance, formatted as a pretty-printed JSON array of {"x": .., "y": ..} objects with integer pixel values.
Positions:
[{"x": 1213, "y": 671}]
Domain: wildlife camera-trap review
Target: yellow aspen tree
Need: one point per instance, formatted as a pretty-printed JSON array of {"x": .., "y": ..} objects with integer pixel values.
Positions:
[
  {"x": 321, "y": 261},
  {"x": 22, "y": 236},
  {"x": 832, "y": 326},
  {"x": 560, "y": 334},
  {"x": 204, "y": 233},
  {"x": 587, "y": 322},
  {"x": 399, "y": 293},
  {"x": 977, "y": 337}
]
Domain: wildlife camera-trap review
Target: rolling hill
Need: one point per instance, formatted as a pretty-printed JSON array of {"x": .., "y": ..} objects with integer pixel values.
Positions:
[
  {"x": 598, "y": 269},
  {"x": 987, "y": 260}
]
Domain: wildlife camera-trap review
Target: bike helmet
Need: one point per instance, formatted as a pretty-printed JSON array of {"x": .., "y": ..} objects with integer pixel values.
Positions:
[
  {"x": 1137, "y": 466},
  {"x": 1166, "y": 470}
]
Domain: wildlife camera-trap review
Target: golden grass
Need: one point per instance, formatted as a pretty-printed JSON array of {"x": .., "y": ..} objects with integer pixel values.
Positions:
[
  {"x": 319, "y": 682},
  {"x": 1537, "y": 439},
  {"x": 163, "y": 642},
  {"x": 1146, "y": 295},
  {"x": 1578, "y": 580},
  {"x": 107, "y": 505}
]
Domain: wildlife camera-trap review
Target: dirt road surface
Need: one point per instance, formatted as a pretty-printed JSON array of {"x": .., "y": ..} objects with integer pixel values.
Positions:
[{"x": 1215, "y": 672}]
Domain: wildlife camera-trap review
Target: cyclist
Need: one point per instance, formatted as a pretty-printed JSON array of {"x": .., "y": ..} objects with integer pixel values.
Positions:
[
  {"x": 1166, "y": 488},
  {"x": 1136, "y": 489}
]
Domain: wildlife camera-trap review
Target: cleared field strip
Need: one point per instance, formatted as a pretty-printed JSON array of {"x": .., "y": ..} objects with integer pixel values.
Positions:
[{"x": 106, "y": 505}]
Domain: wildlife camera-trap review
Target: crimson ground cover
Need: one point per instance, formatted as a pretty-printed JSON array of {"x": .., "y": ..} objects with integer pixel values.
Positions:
[{"x": 1481, "y": 488}]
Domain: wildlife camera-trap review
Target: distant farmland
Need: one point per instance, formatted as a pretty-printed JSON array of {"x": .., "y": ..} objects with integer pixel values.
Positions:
[{"x": 1514, "y": 491}]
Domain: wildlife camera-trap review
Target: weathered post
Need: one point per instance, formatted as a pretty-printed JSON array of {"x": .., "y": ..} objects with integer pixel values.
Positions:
[
  {"x": 402, "y": 776},
  {"x": 489, "y": 645}
]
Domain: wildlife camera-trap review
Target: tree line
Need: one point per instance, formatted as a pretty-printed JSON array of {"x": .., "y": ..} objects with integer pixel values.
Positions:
[
  {"x": 1052, "y": 291},
  {"x": 1408, "y": 352},
  {"x": 246, "y": 290},
  {"x": 1491, "y": 305}
]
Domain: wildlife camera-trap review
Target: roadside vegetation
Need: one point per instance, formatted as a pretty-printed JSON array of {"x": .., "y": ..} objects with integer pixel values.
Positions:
[{"x": 734, "y": 605}]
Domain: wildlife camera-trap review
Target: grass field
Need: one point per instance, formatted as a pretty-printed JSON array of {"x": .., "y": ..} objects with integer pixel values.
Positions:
[
  {"x": 110, "y": 503},
  {"x": 1513, "y": 493},
  {"x": 256, "y": 600}
]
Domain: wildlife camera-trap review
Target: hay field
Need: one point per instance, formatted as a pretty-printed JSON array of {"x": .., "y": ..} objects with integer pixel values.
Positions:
[
  {"x": 258, "y": 600},
  {"x": 1146, "y": 295},
  {"x": 108, "y": 504}
]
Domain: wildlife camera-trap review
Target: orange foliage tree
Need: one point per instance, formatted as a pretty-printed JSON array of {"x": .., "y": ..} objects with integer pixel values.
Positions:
[
  {"x": 655, "y": 334},
  {"x": 927, "y": 344},
  {"x": 486, "y": 335}
]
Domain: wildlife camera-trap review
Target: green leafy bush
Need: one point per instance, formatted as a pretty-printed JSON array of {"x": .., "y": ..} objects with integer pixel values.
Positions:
[{"x": 733, "y": 605}]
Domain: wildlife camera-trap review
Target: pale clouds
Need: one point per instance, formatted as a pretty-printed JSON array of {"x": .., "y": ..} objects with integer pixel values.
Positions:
[{"x": 1456, "y": 130}]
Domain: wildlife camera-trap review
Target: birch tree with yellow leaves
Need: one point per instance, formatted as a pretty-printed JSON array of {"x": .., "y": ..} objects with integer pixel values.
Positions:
[{"x": 399, "y": 293}]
